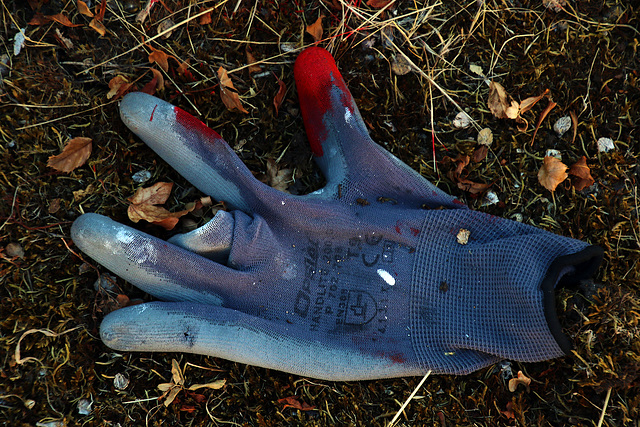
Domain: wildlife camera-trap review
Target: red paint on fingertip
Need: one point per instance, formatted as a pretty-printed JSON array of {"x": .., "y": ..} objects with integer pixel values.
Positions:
[
  {"x": 414, "y": 231},
  {"x": 316, "y": 74},
  {"x": 192, "y": 124}
]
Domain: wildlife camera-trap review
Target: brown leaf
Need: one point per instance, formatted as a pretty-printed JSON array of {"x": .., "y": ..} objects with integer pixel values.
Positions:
[
  {"x": 157, "y": 82},
  {"x": 118, "y": 86},
  {"x": 315, "y": 29},
  {"x": 216, "y": 385},
  {"x": 84, "y": 9},
  {"x": 205, "y": 19},
  {"x": 471, "y": 186},
  {"x": 293, "y": 402},
  {"x": 552, "y": 173},
  {"x": 277, "y": 100},
  {"x": 278, "y": 178},
  {"x": 160, "y": 58},
  {"x": 75, "y": 154},
  {"x": 543, "y": 115},
  {"x": 581, "y": 174},
  {"x": 378, "y": 4},
  {"x": 574, "y": 122},
  {"x": 101, "y": 10},
  {"x": 528, "y": 103},
  {"x": 500, "y": 102},
  {"x": 39, "y": 19},
  {"x": 228, "y": 92},
  {"x": 62, "y": 19},
  {"x": 251, "y": 60},
  {"x": 98, "y": 26},
  {"x": 143, "y": 206},
  {"x": 480, "y": 153},
  {"x": 520, "y": 379}
]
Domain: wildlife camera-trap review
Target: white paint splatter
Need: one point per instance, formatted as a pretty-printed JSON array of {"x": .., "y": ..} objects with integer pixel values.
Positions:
[{"x": 386, "y": 276}]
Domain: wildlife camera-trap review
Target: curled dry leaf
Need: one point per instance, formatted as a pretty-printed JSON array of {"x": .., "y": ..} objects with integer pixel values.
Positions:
[
  {"x": 84, "y": 9},
  {"x": 40, "y": 19},
  {"x": 282, "y": 91},
  {"x": 378, "y": 4},
  {"x": 215, "y": 385},
  {"x": 293, "y": 402},
  {"x": 160, "y": 58},
  {"x": 581, "y": 174},
  {"x": 278, "y": 178},
  {"x": 118, "y": 86},
  {"x": 98, "y": 26},
  {"x": 157, "y": 82},
  {"x": 75, "y": 154},
  {"x": 251, "y": 61},
  {"x": 315, "y": 29},
  {"x": 228, "y": 92},
  {"x": 144, "y": 206},
  {"x": 552, "y": 173},
  {"x": 520, "y": 379},
  {"x": 500, "y": 102}
]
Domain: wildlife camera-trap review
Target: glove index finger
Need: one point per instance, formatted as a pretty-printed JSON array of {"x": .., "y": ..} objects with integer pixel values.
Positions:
[{"x": 197, "y": 152}]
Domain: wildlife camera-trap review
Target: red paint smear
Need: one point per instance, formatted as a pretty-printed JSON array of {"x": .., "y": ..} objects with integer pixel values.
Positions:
[
  {"x": 397, "y": 227},
  {"x": 316, "y": 74},
  {"x": 397, "y": 358},
  {"x": 414, "y": 231},
  {"x": 153, "y": 112},
  {"x": 192, "y": 124},
  {"x": 458, "y": 202}
]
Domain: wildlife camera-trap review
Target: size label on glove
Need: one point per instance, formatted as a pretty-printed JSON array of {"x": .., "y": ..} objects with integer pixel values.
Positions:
[{"x": 346, "y": 287}]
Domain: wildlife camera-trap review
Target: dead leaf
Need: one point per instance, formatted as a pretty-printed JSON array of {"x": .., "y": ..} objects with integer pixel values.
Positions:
[
  {"x": 84, "y": 9},
  {"x": 118, "y": 86},
  {"x": 552, "y": 173},
  {"x": 574, "y": 122},
  {"x": 520, "y": 379},
  {"x": 101, "y": 10},
  {"x": 81, "y": 194},
  {"x": 165, "y": 26},
  {"x": 544, "y": 114},
  {"x": 160, "y": 58},
  {"x": 144, "y": 206},
  {"x": 528, "y": 103},
  {"x": 157, "y": 82},
  {"x": 459, "y": 176},
  {"x": 64, "y": 41},
  {"x": 293, "y": 402},
  {"x": 251, "y": 60},
  {"x": 40, "y": 19},
  {"x": 500, "y": 103},
  {"x": 277, "y": 100},
  {"x": 75, "y": 154},
  {"x": 98, "y": 26},
  {"x": 228, "y": 93},
  {"x": 216, "y": 385},
  {"x": 480, "y": 153},
  {"x": 581, "y": 174},
  {"x": 508, "y": 412},
  {"x": 278, "y": 178},
  {"x": 378, "y": 4},
  {"x": 205, "y": 19},
  {"x": 315, "y": 29},
  {"x": 144, "y": 13}
]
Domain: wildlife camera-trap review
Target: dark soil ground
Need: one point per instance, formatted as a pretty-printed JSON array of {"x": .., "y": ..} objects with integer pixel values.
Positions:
[{"x": 586, "y": 54}]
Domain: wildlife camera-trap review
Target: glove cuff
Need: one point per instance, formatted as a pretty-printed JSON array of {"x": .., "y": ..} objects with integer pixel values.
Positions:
[{"x": 567, "y": 270}]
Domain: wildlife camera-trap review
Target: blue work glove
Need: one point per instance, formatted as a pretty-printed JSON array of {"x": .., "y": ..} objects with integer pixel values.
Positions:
[{"x": 363, "y": 279}]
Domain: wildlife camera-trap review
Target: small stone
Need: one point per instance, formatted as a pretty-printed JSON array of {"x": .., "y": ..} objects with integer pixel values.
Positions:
[
  {"x": 400, "y": 66},
  {"x": 562, "y": 125},
  {"x": 462, "y": 120},
  {"x": 490, "y": 198},
  {"x": 120, "y": 381},
  {"x": 463, "y": 236},
  {"x": 106, "y": 282},
  {"x": 14, "y": 250},
  {"x": 141, "y": 177},
  {"x": 605, "y": 145},
  {"x": 554, "y": 153},
  {"x": 485, "y": 137},
  {"x": 84, "y": 406}
]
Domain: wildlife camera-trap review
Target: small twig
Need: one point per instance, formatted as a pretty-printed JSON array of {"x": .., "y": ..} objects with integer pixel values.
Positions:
[
  {"x": 604, "y": 407},
  {"x": 406, "y": 402}
]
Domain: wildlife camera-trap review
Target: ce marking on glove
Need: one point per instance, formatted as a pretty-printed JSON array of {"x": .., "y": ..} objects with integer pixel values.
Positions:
[{"x": 325, "y": 299}]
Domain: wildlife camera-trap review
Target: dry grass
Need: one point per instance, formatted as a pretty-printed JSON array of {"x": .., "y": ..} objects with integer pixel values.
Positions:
[{"x": 586, "y": 54}]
